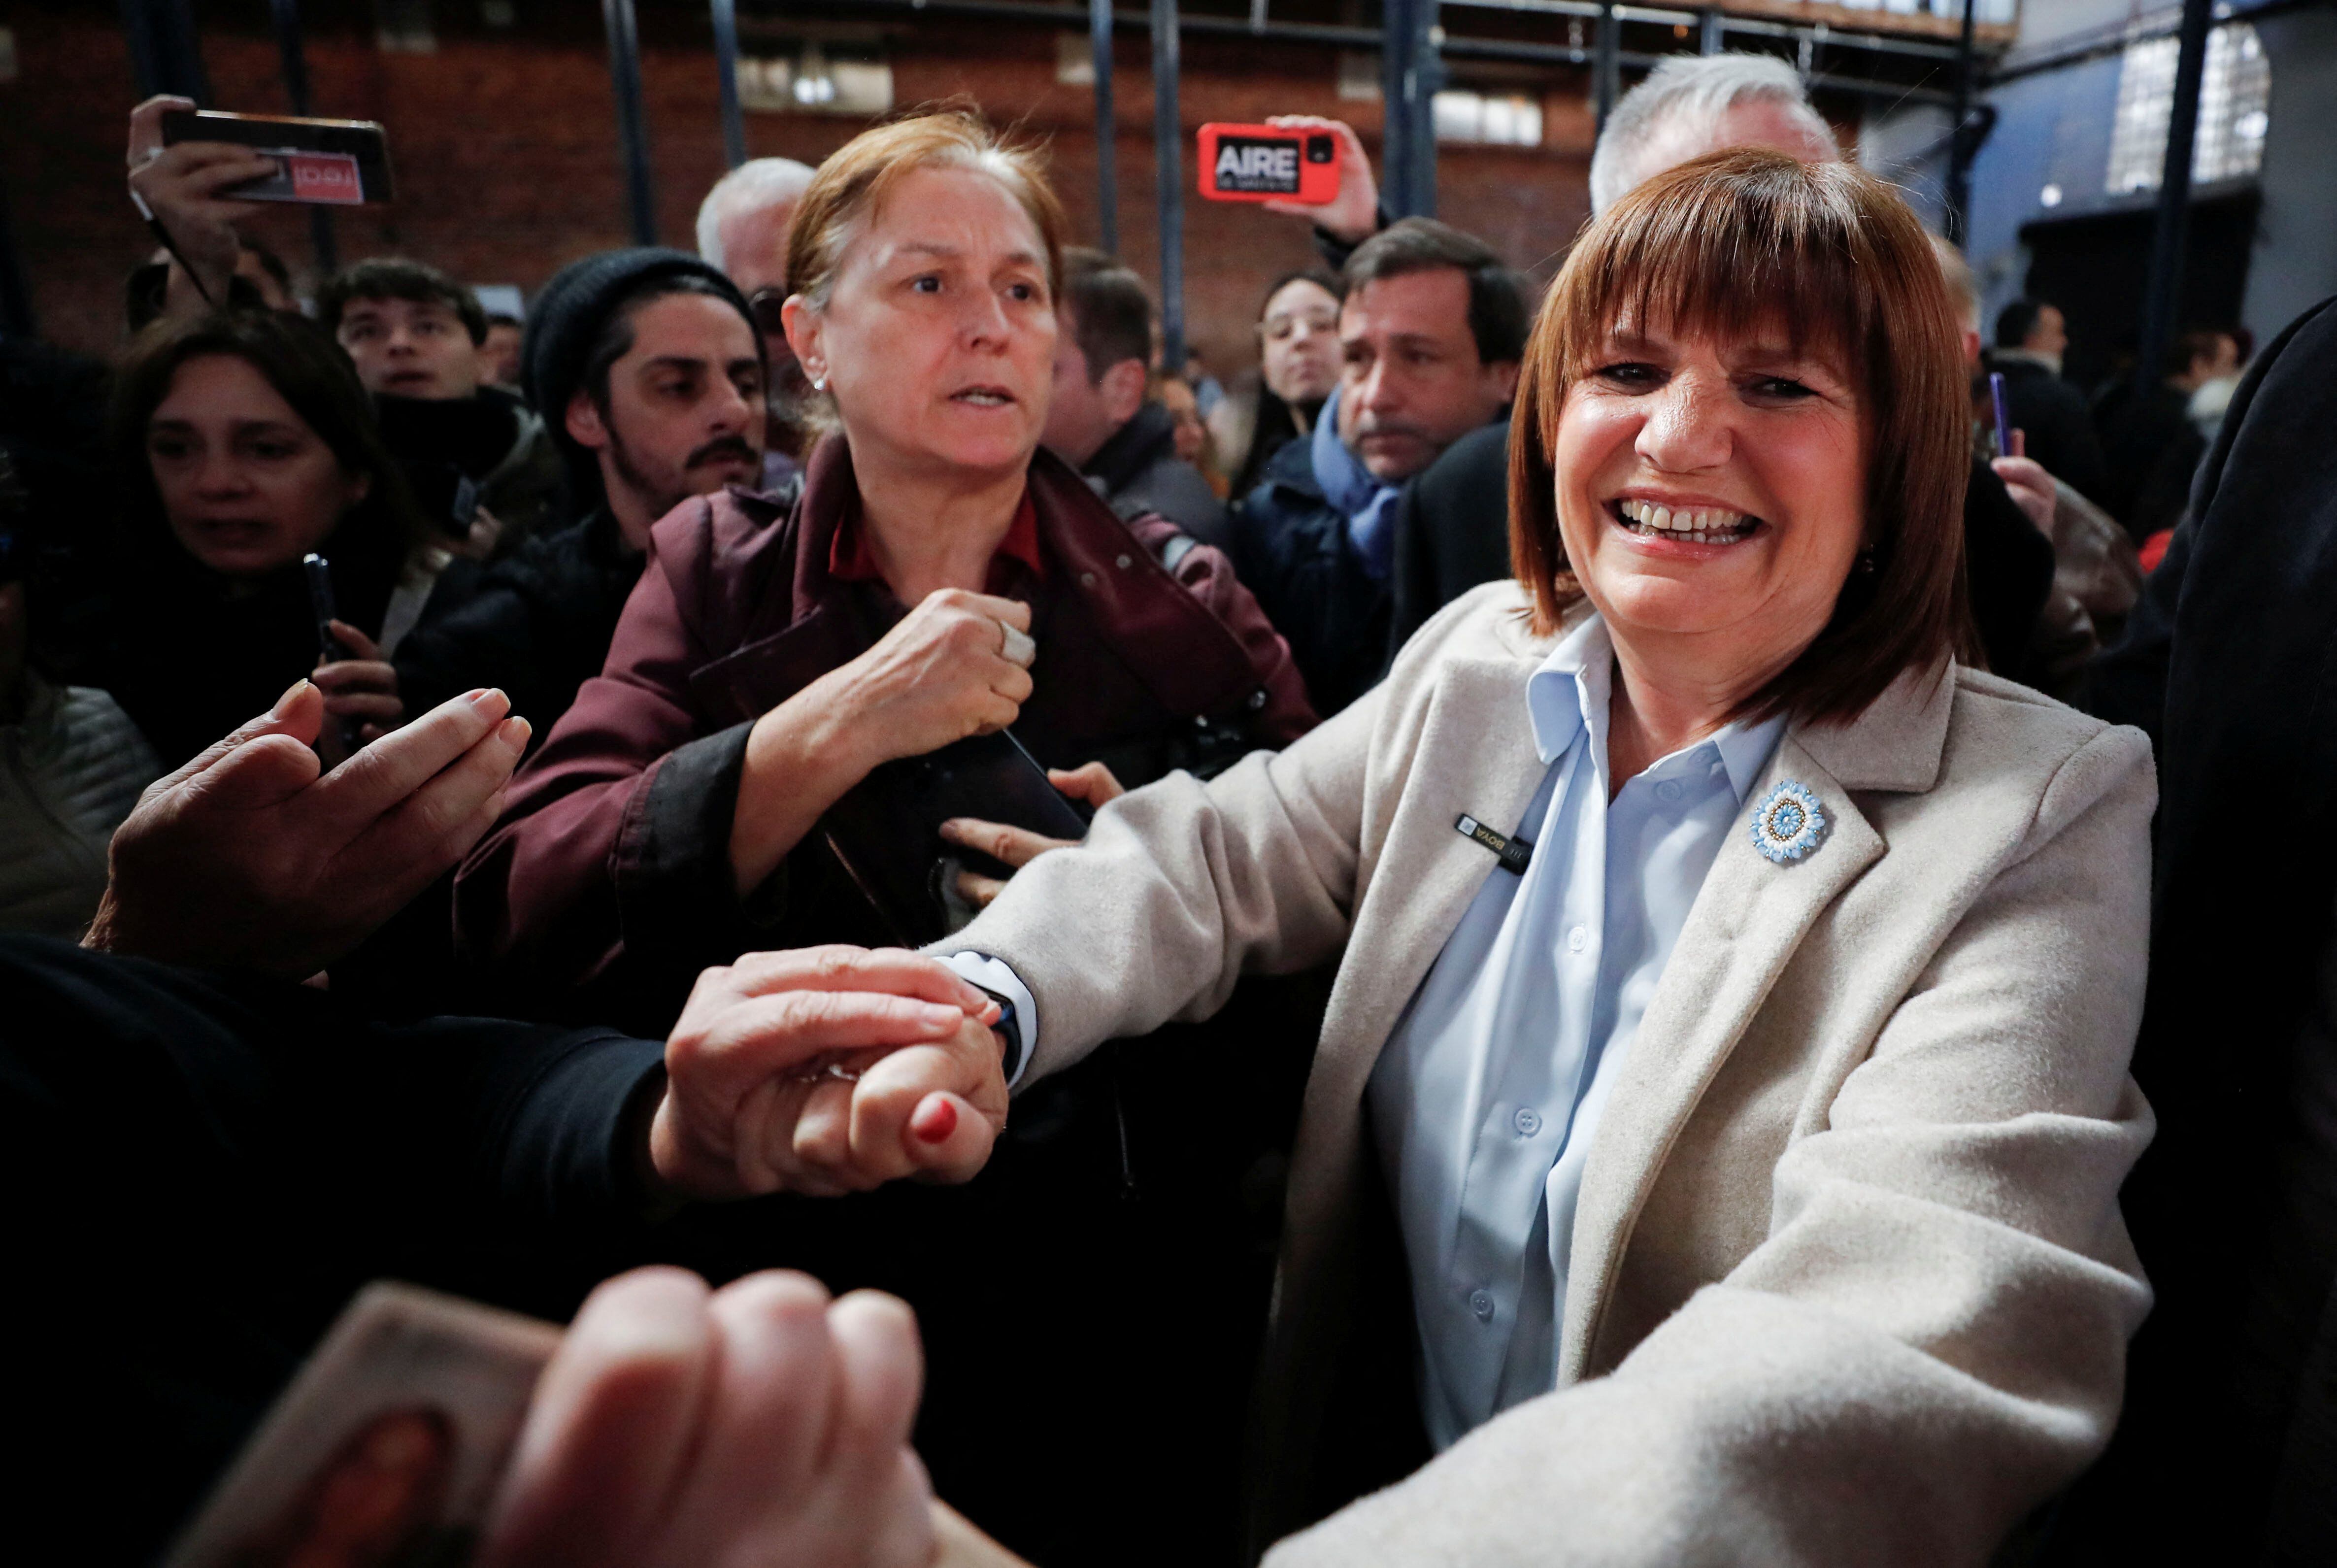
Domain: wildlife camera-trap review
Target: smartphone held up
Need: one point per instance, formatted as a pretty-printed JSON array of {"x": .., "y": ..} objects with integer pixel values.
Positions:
[
  {"x": 320, "y": 162},
  {"x": 1267, "y": 163}
]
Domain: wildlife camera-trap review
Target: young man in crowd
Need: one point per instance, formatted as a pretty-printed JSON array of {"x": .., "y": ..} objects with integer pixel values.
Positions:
[
  {"x": 1430, "y": 335},
  {"x": 742, "y": 231},
  {"x": 650, "y": 366},
  {"x": 481, "y": 462},
  {"x": 1101, "y": 418},
  {"x": 2050, "y": 413},
  {"x": 501, "y": 350}
]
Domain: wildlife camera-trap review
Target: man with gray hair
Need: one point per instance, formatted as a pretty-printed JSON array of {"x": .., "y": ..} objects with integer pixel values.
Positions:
[
  {"x": 1692, "y": 105},
  {"x": 742, "y": 224},
  {"x": 742, "y": 229}
]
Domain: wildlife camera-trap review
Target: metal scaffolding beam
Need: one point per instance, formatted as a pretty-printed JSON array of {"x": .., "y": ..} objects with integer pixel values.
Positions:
[
  {"x": 293, "y": 56},
  {"x": 1411, "y": 74},
  {"x": 164, "y": 53},
  {"x": 2163, "y": 297},
  {"x": 1961, "y": 143},
  {"x": 632, "y": 132},
  {"x": 1607, "y": 76},
  {"x": 1454, "y": 46},
  {"x": 1169, "y": 152},
  {"x": 1107, "y": 127},
  {"x": 725, "y": 65}
]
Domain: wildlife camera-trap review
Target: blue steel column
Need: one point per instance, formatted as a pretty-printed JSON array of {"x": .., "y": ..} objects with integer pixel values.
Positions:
[
  {"x": 294, "y": 57},
  {"x": 1168, "y": 154},
  {"x": 1961, "y": 143},
  {"x": 2163, "y": 298},
  {"x": 1411, "y": 72},
  {"x": 1716, "y": 32},
  {"x": 1107, "y": 164},
  {"x": 633, "y": 134},
  {"x": 1606, "y": 69},
  {"x": 726, "y": 61}
]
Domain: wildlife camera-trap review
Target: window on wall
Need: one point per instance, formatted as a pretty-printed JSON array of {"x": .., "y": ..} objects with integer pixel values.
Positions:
[
  {"x": 818, "y": 79},
  {"x": 2235, "y": 104},
  {"x": 1501, "y": 119}
]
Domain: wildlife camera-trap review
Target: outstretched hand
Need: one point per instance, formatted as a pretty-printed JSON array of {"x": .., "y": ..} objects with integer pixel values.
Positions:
[
  {"x": 827, "y": 1070},
  {"x": 246, "y": 857},
  {"x": 1018, "y": 847}
]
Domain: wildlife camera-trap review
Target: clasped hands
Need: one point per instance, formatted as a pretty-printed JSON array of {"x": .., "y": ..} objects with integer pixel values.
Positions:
[{"x": 824, "y": 1071}]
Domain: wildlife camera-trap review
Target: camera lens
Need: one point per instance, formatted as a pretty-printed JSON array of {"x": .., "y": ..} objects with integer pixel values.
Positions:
[{"x": 1318, "y": 149}]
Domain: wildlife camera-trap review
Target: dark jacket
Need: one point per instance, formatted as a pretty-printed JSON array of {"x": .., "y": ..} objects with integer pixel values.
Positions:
[
  {"x": 492, "y": 440},
  {"x": 1453, "y": 533},
  {"x": 1292, "y": 551},
  {"x": 2227, "y": 1449},
  {"x": 611, "y": 872},
  {"x": 268, "y": 1149},
  {"x": 192, "y": 654},
  {"x": 1452, "y": 530},
  {"x": 1139, "y": 472},
  {"x": 2138, "y": 433},
  {"x": 536, "y": 623},
  {"x": 2056, "y": 426}
]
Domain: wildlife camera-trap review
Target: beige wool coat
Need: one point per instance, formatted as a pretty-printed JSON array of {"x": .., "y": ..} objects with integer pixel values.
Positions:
[{"x": 1849, "y": 1282}]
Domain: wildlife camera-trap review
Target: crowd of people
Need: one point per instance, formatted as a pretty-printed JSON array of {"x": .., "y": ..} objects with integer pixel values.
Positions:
[{"x": 1570, "y": 992}]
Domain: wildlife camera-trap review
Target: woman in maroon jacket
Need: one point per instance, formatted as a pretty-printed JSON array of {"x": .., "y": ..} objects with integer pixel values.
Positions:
[{"x": 940, "y": 576}]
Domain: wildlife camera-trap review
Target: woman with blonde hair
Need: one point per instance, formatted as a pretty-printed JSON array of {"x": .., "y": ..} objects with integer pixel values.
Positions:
[{"x": 1736, "y": 989}]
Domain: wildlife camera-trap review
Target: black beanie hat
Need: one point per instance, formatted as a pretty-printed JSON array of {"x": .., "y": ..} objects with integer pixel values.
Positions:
[{"x": 570, "y": 309}]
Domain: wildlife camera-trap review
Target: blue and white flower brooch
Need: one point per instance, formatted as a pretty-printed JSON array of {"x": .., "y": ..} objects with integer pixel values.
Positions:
[{"x": 1788, "y": 823}]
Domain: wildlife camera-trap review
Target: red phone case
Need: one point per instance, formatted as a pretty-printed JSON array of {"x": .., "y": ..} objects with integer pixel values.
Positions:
[{"x": 1266, "y": 163}]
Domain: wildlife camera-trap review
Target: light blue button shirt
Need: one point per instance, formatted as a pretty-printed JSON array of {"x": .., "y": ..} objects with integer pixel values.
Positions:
[{"x": 1486, "y": 1098}]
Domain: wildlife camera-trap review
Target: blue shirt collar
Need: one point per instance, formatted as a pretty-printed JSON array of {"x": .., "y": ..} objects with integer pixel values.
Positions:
[{"x": 1572, "y": 689}]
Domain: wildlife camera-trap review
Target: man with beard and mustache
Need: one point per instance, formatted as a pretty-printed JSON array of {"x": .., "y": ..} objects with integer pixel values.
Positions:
[
  {"x": 648, "y": 366},
  {"x": 1430, "y": 337}
]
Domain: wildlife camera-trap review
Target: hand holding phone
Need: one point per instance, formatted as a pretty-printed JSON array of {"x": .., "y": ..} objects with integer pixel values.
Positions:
[{"x": 1350, "y": 212}]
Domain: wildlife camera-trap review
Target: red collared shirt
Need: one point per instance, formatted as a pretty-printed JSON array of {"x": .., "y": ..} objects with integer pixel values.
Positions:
[{"x": 849, "y": 559}]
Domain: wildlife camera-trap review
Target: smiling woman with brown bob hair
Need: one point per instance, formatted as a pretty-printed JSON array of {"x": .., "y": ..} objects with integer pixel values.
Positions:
[
  {"x": 1735, "y": 990},
  {"x": 1826, "y": 256}
]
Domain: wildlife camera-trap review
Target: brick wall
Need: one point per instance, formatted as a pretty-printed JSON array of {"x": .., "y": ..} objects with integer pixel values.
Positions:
[{"x": 507, "y": 164}]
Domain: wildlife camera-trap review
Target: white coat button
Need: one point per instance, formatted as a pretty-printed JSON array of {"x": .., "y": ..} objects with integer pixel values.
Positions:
[
  {"x": 1528, "y": 1120},
  {"x": 1669, "y": 789},
  {"x": 1481, "y": 1302},
  {"x": 1577, "y": 940}
]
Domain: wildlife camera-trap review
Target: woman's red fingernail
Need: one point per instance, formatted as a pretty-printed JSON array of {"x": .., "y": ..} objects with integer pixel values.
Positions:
[{"x": 935, "y": 1119}]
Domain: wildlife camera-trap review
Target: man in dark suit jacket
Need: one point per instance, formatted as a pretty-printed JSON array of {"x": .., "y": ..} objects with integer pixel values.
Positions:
[
  {"x": 2050, "y": 414},
  {"x": 2229, "y": 1448}
]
